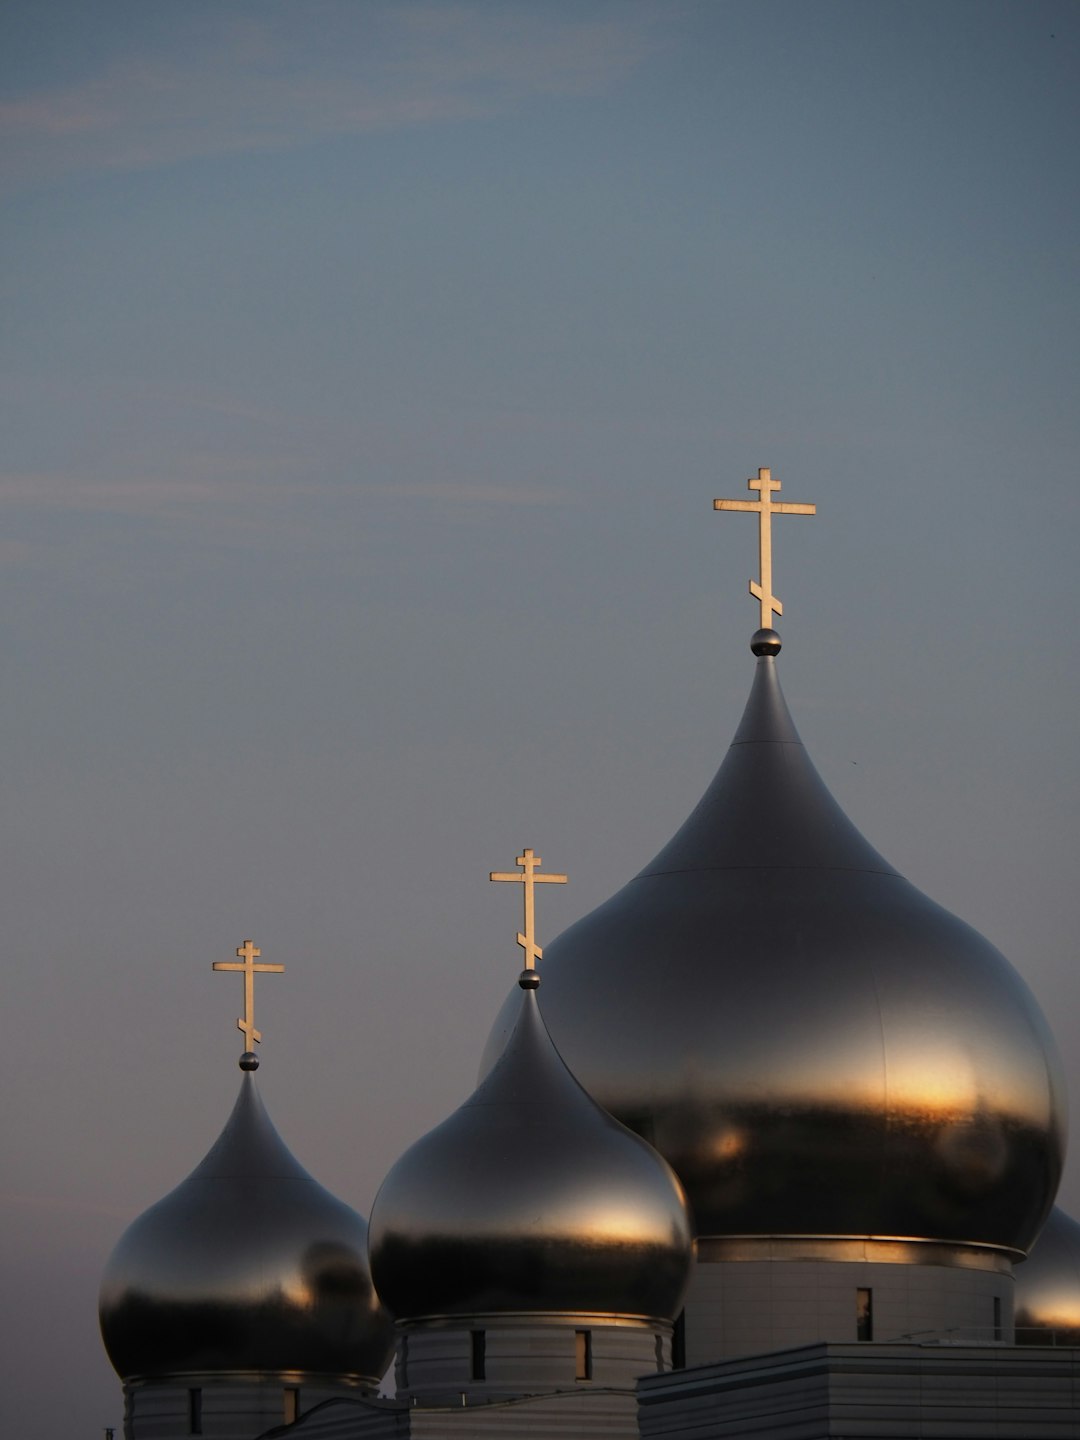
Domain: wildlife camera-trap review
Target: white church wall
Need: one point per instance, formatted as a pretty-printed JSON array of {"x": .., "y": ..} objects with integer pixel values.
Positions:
[
  {"x": 515, "y": 1356},
  {"x": 824, "y": 1392},
  {"x": 747, "y": 1307},
  {"x": 222, "y": 1408}
]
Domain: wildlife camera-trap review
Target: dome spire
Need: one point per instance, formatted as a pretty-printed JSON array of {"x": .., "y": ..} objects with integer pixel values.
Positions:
[
  {"x": 766, "y": 641},
  {"x": 248, "y": 953},
  {"x": 528, "y": 979},
  {"x": 248, "y": 1269},
  {"x": 530, "y": 1199},
  {"x": 813, "y": 1044}
]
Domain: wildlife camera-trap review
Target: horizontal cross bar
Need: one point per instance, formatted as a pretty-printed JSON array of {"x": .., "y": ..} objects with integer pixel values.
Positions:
[{"x": 516, "y": 875}]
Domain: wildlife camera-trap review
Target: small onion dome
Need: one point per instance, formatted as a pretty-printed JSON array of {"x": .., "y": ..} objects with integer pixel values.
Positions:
[
  {"x": 1048, "y": 1285},
  {"x": 249, "y": 1264},
  {"x": 530, "y": 1198},
  {"x": 815, "y": 1046}
]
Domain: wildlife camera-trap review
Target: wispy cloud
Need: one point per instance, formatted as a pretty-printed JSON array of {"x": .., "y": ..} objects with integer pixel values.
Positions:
[
  {"x": 165, "y": 496},
  {"x": 101, "y": 527},
  {"x": 233, "y": 509},
  {"x": 286, "y": 76},
  {"x": 458, "y": 493},
  {"x": 151, "y": 496}
]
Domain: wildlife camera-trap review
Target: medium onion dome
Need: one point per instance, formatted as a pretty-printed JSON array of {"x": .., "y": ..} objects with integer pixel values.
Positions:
[
  {"x": 530, "y": 1198},
  {"x": 249, "y": 1264},
  {"x": 1048, "y": 1285},
  {"x": 815, "y": 1046}
]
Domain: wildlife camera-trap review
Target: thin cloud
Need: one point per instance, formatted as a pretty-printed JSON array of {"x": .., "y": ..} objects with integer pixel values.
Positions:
[
  {"x": 310, "y": 72},
  {"x": 190, "y": 498},
  {"x": 152, "y": 496},
  {"x": 453, "y": 493}
]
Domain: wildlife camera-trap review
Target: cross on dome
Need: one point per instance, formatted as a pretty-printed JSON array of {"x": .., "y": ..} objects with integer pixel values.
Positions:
[
  {"x": 529, "y": 878},
  {"x": 765, "y": 485},
  {"x": 248, "y": 954}
]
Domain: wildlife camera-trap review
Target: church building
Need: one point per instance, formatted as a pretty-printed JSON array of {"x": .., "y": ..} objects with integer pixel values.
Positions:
[{"x": 761, "y": 1147}]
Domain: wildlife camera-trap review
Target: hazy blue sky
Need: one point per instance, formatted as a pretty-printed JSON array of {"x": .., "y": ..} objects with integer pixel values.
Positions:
[{"x": 368, "y": 372}]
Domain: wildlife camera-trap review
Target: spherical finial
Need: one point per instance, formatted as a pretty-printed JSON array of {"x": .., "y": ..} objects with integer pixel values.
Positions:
[
  {"x": 529, "y": 980},
  {"x": 249, "y": 1060},
  {"x": 765, "y": 642}
]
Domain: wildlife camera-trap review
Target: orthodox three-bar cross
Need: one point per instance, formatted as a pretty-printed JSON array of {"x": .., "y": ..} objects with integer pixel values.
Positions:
[
  {"x": 528, "y": 862},
  {"x": 248, "y": 954},
  {"x": 765, "y": 485}
]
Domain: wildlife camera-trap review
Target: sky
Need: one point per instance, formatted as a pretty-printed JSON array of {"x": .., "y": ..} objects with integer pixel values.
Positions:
[{"x": 368, "y": 372}]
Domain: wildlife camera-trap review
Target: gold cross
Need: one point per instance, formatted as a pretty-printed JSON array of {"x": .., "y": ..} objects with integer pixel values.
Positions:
[
  {"x": 528, "y": 862},
  {"x": 248, "y": 954},
  {"x": 765, "y": 485}
]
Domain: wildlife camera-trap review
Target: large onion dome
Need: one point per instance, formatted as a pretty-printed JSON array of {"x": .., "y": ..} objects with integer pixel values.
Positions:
[
  {"x": 816, "y": 1047},
  {"x": 530, "y": 1198},
  {"x": 1048, "y": 1285},
  {"x": 248, "y": 1265}
]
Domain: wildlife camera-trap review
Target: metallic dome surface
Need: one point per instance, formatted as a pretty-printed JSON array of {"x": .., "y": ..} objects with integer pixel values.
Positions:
[
  {"x": 530, "y": 1198},
  {"x": 815, "y": 1046},
  {"x": 249, "y": 1264},
  {"x": 1048, "y": 1285}
]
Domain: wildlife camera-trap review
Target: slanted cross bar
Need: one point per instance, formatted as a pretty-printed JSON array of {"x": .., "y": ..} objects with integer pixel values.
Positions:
[
  {"x": 765, "y": 485},
  {"x": 529, "y": 877},
  {"x": 248, "y": 954}
]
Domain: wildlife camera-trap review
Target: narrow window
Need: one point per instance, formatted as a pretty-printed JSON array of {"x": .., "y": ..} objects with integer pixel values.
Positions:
[
  {"x": 194, "y": 1412},
  {"x": 678, "y": 1342},
  {"x": 479, "y": 1354},
  {"x": 583, "y": 1354},
  {"x": 292, "y": 1403},
  {"x": 997, "y": 1317},
  {"x": 864, "y": 1315}
]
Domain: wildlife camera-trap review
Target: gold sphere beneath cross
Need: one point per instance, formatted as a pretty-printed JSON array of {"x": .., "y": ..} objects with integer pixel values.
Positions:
[{"x": 765, "y": 642}]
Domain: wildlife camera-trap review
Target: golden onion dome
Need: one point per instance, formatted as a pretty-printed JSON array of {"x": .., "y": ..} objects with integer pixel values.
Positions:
[
  {"x": 1048, "y": 1285},
  {"x": 530, "y": 1198},
  {"x": 815, "y": 1046},
  {"x": 248, "y": 1265}
]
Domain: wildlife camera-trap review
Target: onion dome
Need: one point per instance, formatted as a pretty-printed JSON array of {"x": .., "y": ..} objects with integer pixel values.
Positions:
[
  {"x": 248, "y": 1265},
  {"x": 815, "y": 1046},
  {"x": 1048, "y": 1285},
  {"x": 530, "y": 1198}
]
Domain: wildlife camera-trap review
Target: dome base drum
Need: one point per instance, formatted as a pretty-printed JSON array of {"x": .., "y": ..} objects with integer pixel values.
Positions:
[
  {"x": 225, "y": 1405},
  {"x": 750, "y": 1294},
  {"x": 503, "y": 1356}
]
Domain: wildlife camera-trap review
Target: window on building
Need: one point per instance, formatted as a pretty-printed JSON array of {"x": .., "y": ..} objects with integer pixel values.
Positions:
[
  {"x": 291, "y": 1397},
  {"x": 864, "y": 1315},
  {"x": 194, "y": 1412},
  {"x": 678, "y": 1342},
  {"x": 997, "y": 1317},
  {"x": 479, "y": 1354},
  {"x": 583, "y": 1354}
]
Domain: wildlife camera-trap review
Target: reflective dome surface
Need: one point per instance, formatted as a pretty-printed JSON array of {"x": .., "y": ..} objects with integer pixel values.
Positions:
[
  {"x": 814, "y": 1045},
  {"x": 1048, "y": 1285},
  {"x": 249, "y": 1264},
  {"x": 530, "y": 1198}
]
